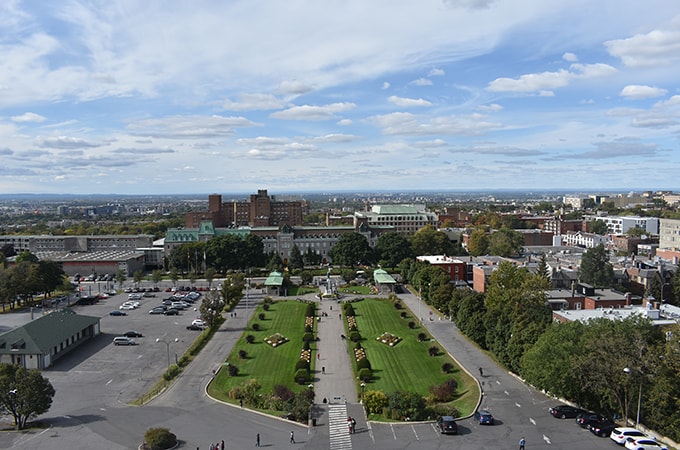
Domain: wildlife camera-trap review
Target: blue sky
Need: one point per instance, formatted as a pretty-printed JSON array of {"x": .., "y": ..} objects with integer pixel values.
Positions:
[{"x": 159, "y": 97}]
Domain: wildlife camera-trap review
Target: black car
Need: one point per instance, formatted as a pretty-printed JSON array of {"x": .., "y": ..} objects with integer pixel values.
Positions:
[
  {"x": 171, "y": 312},
  {"x": 116, "y": 312},
  {"x": 194, "y": 327},
  {"x": 132, "y": 334},
  {"x": 565, "y": 411},
  {"x": 447, "y": 425},
  {"x": 587, "y": 420},
  {"x": 602, "y": 429}
]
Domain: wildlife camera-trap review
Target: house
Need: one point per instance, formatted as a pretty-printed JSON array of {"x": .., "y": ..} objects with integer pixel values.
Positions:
[{"x": 40, "y": 342}]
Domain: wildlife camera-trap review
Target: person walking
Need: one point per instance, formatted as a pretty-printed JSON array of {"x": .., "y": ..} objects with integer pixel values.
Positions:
[
  {"x": 323, "y": 369},
  {"x": 292, "y": 437},
  {"x": 222, "y": 445},
  {"x": 257, "y": 440},
  {"x": 521, "y": 443},
  {"x": 481, "y": 372}
]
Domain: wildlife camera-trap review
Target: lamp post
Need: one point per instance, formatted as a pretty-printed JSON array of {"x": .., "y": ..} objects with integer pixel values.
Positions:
[
  {"x": 363, "y": 387},
  {"x": 628, "y": 370},
  {"x": 167, "y": 346}
]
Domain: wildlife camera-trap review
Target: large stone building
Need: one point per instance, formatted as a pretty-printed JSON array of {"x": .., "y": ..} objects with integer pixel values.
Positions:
[
  {"x": 404, "y": 219},
  {"x": 260, "y": 210},
  {"x": 669, "y": 239}
]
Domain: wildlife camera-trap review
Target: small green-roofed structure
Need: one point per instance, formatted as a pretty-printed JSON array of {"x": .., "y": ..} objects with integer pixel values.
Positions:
[
  {"x": 40, "y": 342},
  {"x": 384, "y": 280},
  {"x": 274, "y": 282}
]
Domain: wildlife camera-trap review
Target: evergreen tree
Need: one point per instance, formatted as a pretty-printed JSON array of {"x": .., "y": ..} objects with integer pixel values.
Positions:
[{"x": 596, "y": 269}]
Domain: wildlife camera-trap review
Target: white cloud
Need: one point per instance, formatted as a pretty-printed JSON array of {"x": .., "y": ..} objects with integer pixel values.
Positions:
[
  {"x": 570, "y": 57},
  {"x": 28, "y": 117},
  {"x": 294, "y": 87},
  {"x": 436, "y": 73},
  {"x": 469, "y": 4},
  {"x": 422, "y": 82},
  {"x": 64, "y": 142},
  {"x": 189, "y": 127},
  {"x": 252, "y": 102},
  {"x": 314, "y": 113},
  {"x": 345, "y": 122},
  {"x": 408, "y": 102},
  {"x": 543, "y": 83},
  {"x": 409, "y": 124},
  {"x": 493, "y": 107},
  {"x": 657, "y": 48},
  {"x": 638, "y": 92}
]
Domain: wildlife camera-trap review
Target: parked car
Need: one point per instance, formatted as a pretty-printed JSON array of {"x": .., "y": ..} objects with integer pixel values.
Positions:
[
  {"x": 132, "y": 334},
  {"x": 116, "y": 312},
  {"x": 644, "y": 443},
  {"x": 620, "y": 434},
  {"x": 171, "y": 312},
  {"x": 148, "y": 294},
  {"x": 484, "y": 417},
  {"x": 587, "y": 420},
  {"x": 603, "y": 429},
  {"x": 195, "y": 327},
  {"x": 447, "y": 425},
  {"x": 199, "y": 322},
  {"x": 123, "y": 340},
  {"x": 126, "y": 306},
  {"x": 565, "y": 411},
  {"x": 157, "y": 310}
]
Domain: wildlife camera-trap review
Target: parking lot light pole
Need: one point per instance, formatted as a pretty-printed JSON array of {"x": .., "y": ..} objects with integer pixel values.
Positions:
[
  {"x": 628, "y": 370},
  {"x": 167, "y": 346}
]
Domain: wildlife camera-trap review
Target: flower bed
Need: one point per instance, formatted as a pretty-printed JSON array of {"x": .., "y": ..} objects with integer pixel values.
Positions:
[
  {"x": 309, "y": 321},
  {"x": 359, "y": 354},
  {"x": 389, "y": 339},
  {"x": 306, "y": 355},
  {"x": 351, "y": 322},
  {"x": 276, "y": 339}
]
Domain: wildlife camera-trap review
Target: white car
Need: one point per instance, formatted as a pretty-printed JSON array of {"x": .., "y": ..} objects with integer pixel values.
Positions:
[
  {"x": 645, "y": 443},
  {"x": 199, "y": 322},
  {"x": 621, "y": 434},
  {"x": 126, "y": 306}
]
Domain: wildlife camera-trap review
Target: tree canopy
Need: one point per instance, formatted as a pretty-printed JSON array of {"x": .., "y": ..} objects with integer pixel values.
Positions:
[
  {"x": 596, "y": 269},
  {"x": 428, "y": 241},
  {"x": 24, "y": 394},
  {"x": 392, "y": 248},
  {"x": 351, "y": 249}
]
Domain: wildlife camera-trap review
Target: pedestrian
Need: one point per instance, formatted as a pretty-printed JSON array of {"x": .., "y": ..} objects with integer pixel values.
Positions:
[
  {"x": 481, "y": 372},
  {"x": 318, "y": 356},
  {"x": 521, "y": 443},
  {"x": 354, "y": 424},
  {"x": 292, "y": 437},
  {"x": 222, "y": 445},
  {"x": 340, "y": 316},
  {"x": 323, "y": 369},
  {"x": 240, "y": 402},
  {"x": 257, "y": 440}
]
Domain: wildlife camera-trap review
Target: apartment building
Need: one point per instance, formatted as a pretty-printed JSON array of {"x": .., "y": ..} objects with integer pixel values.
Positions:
[{"x": 405, "y": 219}]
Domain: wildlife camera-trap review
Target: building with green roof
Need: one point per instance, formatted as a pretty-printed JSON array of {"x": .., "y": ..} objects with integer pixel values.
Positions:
[
  {"x": 405, "y": 219},
  {"x": 40, "y": 342}
]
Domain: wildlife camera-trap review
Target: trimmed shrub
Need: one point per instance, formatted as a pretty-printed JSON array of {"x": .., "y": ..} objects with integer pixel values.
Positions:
[
  {"x": 172, "y": 372},
  {"x": 265, "y": 306},
  {"x": 159, "y": 439},
  {"x": 242, "y": 354},
  {"x": 301, "y": 376},
  {"x": 308, "y": 337},
  {"x": 260, "y": 316},
  {"x": 305, "y": 345},
  {"x": 398, "y": 305},
  {"x": 308, "y": 329},
  {"x": 444, "y": 392},
  {"x": 311, "y": 310},
  {"x": 301, "y": 364},
  {"x": 355, "y": 336},
  {"x": 365, "y": 375},
  {"x": 403, "y": 315},
  {"x": 411, "y": 325},
  {"x": 232, "y": 370},
  {"x": 447, "y": 367},
  {"x": 433, "y": 351},
  {"x": 349, "y": 310},
  {"x": 250, "y": 339},
  {"x": 422, "y": 337},
  {"x": 183, "y": 361},
  {"x": 363, "y": 363},
  {"x": 256, "y": 327}
]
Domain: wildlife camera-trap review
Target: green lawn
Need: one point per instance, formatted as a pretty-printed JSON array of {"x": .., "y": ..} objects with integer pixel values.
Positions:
[
  {"x": 284, "y": 317},
  {"x": 361, "y": 290},
  {"x": 407, "y": 366}
]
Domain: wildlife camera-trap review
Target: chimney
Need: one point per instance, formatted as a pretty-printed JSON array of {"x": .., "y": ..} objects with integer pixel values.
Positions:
[
  {"x": 627, "y": 298},
  {"x": 573, "y": 287}
]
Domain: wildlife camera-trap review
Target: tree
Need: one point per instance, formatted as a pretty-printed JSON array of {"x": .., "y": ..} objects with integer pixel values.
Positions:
[
  {"x": 598, "y": 227},
  {"x": 156, "y": 277},
  {"x": 543, "y": 270},
  {"x": 211, "y": 307},
  {"x": 506, "y": 242},
  {"x": 392, "y": 248},
  {"x": 138, "y": 276},
  {"x": 428, "y": 241},
  {"x": 478, "y": 243},
  {"x": 312, "y": 258},
  {"x": 209, "y": 276},
  {"x": 24, "y": 394},
  {"x": 351, "y": 249},
  {"x": 596, "y": 269},
  {"x": 296, "y": 261},
  {"x": 120, "y": 277}
]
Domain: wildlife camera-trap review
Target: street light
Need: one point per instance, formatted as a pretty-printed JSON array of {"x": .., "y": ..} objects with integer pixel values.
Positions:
[
  {"x": 363, "y": 386},
  {"x": 628, "y": 370},
  {"x": 167, "y": 346}
]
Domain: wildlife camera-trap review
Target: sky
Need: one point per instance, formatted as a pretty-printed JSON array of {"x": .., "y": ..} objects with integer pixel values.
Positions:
[{"x": 201, "y": 96}]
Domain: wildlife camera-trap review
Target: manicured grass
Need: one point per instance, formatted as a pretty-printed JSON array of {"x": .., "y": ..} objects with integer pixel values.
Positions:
[
  {"x": 362, "y": 290},
  {"x": 407, "y": 366},
  {"x": 269, "y": 365}
]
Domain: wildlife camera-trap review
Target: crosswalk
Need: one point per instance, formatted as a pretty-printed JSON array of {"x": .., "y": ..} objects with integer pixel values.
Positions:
[{"x": 337, "y": 427}]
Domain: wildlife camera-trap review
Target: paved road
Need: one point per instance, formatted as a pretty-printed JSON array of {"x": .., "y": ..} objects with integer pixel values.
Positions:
[{"x": 91, "y": 411}]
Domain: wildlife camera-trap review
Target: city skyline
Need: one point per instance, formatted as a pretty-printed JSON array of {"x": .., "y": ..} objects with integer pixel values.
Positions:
[{"x": 193, "y": 97}]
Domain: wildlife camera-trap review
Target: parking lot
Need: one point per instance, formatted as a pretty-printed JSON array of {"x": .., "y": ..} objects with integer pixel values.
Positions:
[{"x": 129, "y": 371}]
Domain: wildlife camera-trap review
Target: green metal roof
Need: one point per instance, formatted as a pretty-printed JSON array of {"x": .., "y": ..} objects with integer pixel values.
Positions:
[
  {"x": 274, "y": 279},
  {"x": 40, "y": 335},
  {"x": 382, "y": 277}
]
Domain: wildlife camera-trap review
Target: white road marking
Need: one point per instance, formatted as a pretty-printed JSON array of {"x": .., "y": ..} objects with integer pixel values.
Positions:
[
  {"x": 531, "y": 419},
  {"x": 546, "y": 439}
]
